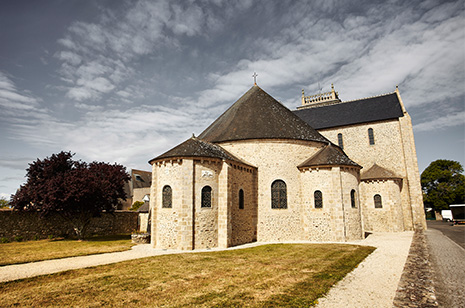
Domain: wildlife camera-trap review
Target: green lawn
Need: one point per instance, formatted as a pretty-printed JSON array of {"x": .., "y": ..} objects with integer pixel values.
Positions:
[
  {"x": 285, "y": 275},
  {"x": 23, "y": 252}
]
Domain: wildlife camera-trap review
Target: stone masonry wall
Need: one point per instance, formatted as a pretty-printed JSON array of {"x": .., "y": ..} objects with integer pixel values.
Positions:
[
  {"x": 389, "y": 217},
  {"x": 29, "y": 226},
  {"x": 243, "y": 221},
  {"x": 276, "y": 160},
  {"x": 389, "y": 151}
]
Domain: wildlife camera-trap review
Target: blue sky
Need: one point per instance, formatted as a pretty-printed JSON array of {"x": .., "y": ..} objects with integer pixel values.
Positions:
[{"x": 124, "y": 81}]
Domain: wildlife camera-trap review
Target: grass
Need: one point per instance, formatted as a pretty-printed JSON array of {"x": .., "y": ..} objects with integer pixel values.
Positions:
[
  {"x": 284, "y": 275},
  {"x": 23, "y": 252}
]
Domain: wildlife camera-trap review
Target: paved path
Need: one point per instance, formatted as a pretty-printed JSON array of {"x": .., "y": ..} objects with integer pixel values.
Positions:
[
  {"x": 448, "y": 260},
  {"x": 455, "y": 233}
]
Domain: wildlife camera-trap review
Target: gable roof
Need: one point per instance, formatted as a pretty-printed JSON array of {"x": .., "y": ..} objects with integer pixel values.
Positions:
[
  {"x": 383, "y": 107},
  {"x": 257, "y": 115},
  {"x": 378, "y": 172},
  {"x": 140, "y": 178},
  {"x": 330, "y": 155},
  {"x": 194, "y": 147}
]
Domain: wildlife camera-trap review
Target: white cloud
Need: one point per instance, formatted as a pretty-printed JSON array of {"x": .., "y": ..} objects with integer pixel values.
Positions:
[{"x": 450, "y": 120}]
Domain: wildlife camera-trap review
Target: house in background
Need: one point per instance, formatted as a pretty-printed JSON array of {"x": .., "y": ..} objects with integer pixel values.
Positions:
[{"x": 137, "y": 188}]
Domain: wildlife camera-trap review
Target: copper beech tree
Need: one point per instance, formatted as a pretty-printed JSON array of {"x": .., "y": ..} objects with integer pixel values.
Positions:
[{"x": 75, "y": 190}]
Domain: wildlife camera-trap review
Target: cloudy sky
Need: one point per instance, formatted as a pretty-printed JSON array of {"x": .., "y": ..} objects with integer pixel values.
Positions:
[{"x": 124, "y": 81}]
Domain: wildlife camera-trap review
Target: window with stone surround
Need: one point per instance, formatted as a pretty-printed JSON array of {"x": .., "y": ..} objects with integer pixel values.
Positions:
[
  {"x": 206, "y": 197},
  {"x": 340, "y": 142},
  {"x": 167, "y": 196},
  {"x": 378, "y": 202},
  {"x": 241, "y": 199},
  {"x": 318, "y": 198},
  {"x": 352, "y": 198},
  {"x": 278, "y": 195},
  {"x": 371, "y": 136}
]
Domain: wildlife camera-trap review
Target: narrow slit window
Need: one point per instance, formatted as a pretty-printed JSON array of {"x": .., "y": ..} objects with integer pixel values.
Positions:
[
  {"x": 241, "y": 199},
  {"x": 278, "y": 195},
  {"x": 318, "y": 198},
  {"x": 206, "y": 197},
  {"x": 378, "y": 201},
  {"x": 352, "y": 198},
  {"x": 371, "y": 136}
]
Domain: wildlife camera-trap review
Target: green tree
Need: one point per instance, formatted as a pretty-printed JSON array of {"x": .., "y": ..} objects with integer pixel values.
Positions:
[
  {"x": 4, "y": 204},
  {"x": 443, "y": 184}
]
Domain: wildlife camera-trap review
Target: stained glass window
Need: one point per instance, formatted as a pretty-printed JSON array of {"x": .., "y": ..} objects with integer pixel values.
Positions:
[
  {"x": 378, "y": 202},
  {"x": 278, "y": 195},
  {"x": 206, "y": 196},
  {"x": 318, "y": 199},
  {"x": 167, "y": 197}
]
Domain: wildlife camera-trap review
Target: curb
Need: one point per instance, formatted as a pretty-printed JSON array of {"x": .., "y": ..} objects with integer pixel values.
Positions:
[{"x": 416, "y": 288}]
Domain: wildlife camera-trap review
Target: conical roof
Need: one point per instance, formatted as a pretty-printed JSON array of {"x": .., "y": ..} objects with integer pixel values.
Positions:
[
  {"x": 378, "y": 172},
  {"x": 330, "y": 155},
  {"x": 195, "y": 147},
  {"x": 257, "y": 115}
]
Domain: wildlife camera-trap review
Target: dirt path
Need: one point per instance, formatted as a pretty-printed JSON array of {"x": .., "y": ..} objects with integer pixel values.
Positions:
[{"x": 374, "y": 282}]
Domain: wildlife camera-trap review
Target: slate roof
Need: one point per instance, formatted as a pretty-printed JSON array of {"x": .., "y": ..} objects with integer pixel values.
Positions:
[
  {"x": 144, "y": 208},
  {"x": 376, "y": 172},
  {"x": 330, "y": 155},
  {"x": 141, "y": 179},
  {"x": 257, "y": 115},
  {"x": 383, "y": 107},
  {"x": 195, "y": 147}
]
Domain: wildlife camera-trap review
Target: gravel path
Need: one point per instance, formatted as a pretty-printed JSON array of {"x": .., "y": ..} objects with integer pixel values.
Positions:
[
  {"x": 372, "y": 284},
  {"x": 448, "y": 259}
]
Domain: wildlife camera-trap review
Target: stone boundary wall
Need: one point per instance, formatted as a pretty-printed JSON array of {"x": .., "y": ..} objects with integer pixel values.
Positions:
[
  {"x": 416, "y": 287},
  {"x": 29, "y": 225}
]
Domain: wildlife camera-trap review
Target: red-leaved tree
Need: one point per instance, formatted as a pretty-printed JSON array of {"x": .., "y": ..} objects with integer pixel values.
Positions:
[{"x": 75, "y": 190}]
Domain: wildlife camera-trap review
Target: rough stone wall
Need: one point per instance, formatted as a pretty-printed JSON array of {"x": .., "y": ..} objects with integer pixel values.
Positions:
[
  {"x": 243, "y": 221},
  {"x": 167, "y": 221},
  {"x": 276, "y": 160},
  {"x": 331, "y": 222},
  {"x": 394, "y": 150},
  {"x": 352, "y": 216},
  {"x": 319, "y": 223},
  {"x": 206, "y": 219},
  {"x": 29, "y": 226},
  {"x": 389, "y": 217}
]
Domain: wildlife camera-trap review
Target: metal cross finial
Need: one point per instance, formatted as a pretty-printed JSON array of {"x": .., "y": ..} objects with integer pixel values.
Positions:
[{"x": 255, "y": 78}]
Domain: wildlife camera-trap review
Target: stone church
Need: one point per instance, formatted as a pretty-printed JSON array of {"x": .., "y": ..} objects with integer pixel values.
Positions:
[{"x": 328, "y": 171}]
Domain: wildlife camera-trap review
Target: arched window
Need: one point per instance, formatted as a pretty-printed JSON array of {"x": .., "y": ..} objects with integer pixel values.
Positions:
[
  {"x": 318, "y": 196},
  {"x": 241, "y": 199},
  {"x": 352, "y": 198},
  {"x": 371, "y": 136},
  {"x": 378, "y": 202},
  {"x": 206, "y": 197},
  {"x": 340, "y": 142},
  {"x": 278, "y": 195},
  {"x": 167, "y": 197}
]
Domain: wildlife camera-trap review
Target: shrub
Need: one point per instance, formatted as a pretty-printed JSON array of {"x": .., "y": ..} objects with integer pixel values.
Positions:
[
  {"x": 136, "y": 205},
  {"x": 4, "y": 240},
  {"x": 19, "y": 238}
]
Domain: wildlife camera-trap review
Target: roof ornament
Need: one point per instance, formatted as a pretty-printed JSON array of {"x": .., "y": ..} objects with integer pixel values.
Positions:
[
  {"x": 193, "y": 135},
  {"x": 255, "y": 78}
]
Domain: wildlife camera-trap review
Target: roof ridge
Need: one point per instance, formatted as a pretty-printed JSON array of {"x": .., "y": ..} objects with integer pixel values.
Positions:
[{"x": 368, "y": 97}]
